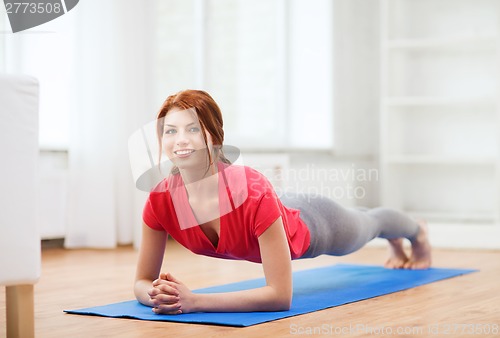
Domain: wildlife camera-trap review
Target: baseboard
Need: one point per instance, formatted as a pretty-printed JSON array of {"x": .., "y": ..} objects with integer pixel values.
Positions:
[
  {"x": 459, "y": 236},
  {"x": 52, "y": 243}
]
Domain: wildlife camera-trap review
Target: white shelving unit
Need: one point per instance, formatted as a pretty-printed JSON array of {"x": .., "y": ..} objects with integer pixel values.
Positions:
[{"x": 440, "y": 116}]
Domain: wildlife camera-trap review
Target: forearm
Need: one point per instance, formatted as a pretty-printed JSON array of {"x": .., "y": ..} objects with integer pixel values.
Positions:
[
  {"x": 141, "y": 288},
  {"x": 261, "y": 299}
]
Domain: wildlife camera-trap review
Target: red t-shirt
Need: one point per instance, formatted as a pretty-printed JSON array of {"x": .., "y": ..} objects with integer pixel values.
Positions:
[{"x": 252, "y": 207}]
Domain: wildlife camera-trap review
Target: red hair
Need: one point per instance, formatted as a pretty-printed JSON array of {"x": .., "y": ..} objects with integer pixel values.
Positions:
[{"x": 208, "y": 113}]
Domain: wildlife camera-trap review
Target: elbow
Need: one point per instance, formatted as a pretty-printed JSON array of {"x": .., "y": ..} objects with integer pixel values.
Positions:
[
  {"x": 281, "y": 299},
  {"x": 282, "y": 303},
  {"x": 141, "y": 288},
  {"x": 287, "y": 303},
  {"x": 138, "y": 289},
  {"x": 139, "y": 295}
]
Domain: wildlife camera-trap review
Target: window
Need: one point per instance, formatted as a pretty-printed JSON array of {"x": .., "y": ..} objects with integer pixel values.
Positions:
[
  {"x": 268, "y": 63},
  {"x": 46, "y": 53}
]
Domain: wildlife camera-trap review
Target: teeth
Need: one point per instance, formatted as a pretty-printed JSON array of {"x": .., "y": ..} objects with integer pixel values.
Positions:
[{"x": 183, "y": 152}]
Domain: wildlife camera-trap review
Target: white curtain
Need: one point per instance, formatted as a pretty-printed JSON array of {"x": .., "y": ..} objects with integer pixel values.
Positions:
[
  {"x": 111, "y": 57},
  {"x": 92, "y": 64}
]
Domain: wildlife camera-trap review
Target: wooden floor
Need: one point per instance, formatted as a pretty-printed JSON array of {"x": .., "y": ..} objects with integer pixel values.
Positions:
[{"x": 82, "y": 278}]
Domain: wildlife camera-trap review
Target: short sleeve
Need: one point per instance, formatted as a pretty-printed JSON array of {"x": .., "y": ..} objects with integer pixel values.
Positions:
[
  {"x": 266, "y": 213},
  {"x": 263, "y": 202},
  {"x": 149, "y": 216}
]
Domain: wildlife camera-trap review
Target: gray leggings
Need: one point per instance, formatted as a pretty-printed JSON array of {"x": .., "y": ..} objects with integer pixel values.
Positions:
[{"x": 336, "y": 230}]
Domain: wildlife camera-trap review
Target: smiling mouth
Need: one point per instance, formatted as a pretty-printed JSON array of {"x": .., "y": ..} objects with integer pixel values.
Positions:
[{"x": 183, "y": 152}]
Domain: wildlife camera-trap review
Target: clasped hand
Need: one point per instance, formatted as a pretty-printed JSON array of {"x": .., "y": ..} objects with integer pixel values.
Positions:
[{"x": 170, "y": 296}]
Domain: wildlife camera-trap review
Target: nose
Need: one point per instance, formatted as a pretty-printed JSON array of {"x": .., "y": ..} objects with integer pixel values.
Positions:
[{"x": 181, "y": 138}]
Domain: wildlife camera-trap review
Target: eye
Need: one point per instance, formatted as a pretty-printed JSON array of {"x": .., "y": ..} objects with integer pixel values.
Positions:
[
  {"x": 194, "y": 130},
  {"x": 170, "y": 131}
]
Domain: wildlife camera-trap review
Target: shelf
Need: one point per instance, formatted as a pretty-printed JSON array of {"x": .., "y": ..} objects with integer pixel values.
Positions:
[
  {"x": 440, "y": 116},
  {"x": 435, "y": 159},
  {"x": 478, "y": 43},
  {"x": 438, "y": 101},
  {"x": 454, "y": 216}
]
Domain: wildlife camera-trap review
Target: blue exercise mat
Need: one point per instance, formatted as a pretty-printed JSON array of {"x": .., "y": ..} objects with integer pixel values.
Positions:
[{"x": 313, "y": 290}]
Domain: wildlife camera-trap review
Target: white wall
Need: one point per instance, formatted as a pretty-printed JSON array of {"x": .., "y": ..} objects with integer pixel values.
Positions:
[
  {"x": 356, "y": 65},
  {"x": 356, "y": 77}
]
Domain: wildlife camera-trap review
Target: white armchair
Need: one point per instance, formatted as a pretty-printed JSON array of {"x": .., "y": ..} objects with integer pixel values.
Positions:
[{"x": 20, "y": 256}]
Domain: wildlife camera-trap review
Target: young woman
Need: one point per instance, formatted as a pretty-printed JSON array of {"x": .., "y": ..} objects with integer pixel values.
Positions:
[{"x": 222, "y": 210}]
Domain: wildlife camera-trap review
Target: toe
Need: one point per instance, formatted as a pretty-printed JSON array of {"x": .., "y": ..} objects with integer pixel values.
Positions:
[
  {"x": 388, "y": 265},
  {"x": 394, "y": 264},
  {"x": 408, "y": 265}
]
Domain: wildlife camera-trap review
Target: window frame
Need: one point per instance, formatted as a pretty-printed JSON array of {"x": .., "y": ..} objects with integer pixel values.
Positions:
[{"x": 283, "y": 90}]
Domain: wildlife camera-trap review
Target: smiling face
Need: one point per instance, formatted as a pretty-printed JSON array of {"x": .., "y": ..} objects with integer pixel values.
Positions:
[
  {"x": 204, "y": 112},
  {"x": 183, "y": 140}
]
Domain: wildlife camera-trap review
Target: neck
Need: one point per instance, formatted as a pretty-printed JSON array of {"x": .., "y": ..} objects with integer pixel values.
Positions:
[{"x": 201, "y": 183}]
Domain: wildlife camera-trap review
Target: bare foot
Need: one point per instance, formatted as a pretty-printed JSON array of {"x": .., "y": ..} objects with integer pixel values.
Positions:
[
  {"x": 397, "y": 256},
  {"x": 420, "y": 249}
]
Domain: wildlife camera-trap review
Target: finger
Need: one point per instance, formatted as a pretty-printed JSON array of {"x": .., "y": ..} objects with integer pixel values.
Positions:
[
  {"x": 168, "y": 289},
  {"x": 160, "y": 281},
  {"x": 168, "y": 309},
  {"x": 159, "y": 312},
  {"x": 170, "y": 277},
  {"x": 163, "y": 289},
  {"x": 153, "y": 292},
  {"x": 165, "y": 299}
]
